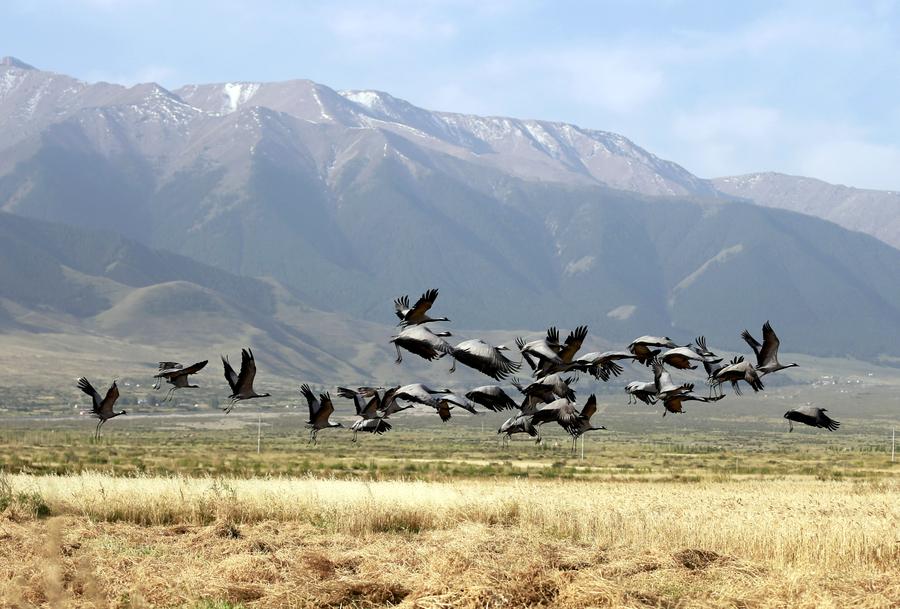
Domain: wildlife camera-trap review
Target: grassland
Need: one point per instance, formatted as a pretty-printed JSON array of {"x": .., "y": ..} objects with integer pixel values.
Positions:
[
  {"x": 311, "y": 542},
  {"x": 717, "y": 507}
]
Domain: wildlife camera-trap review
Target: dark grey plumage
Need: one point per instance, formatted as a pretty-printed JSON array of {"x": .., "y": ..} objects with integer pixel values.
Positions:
[
  {"x": 812, "y": 416},
  {"x": 241, "y": 384},
  {"x": 767, "y": 352},
  {"x": 492, "y": 397},
  {"x": 177, "y": 376},
  {"x": 484, "y": 357},
  {"x": 417, "y": 314},
  {"x": 421, "y": 341},
  {"x": 102, "y": 408},
  {"x": 320, "y": 410}
]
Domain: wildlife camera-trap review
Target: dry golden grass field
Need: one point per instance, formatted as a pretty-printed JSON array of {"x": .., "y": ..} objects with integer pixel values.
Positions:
[{"x": 94, "y": 540}]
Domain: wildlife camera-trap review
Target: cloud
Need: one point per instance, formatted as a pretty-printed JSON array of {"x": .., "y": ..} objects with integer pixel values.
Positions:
[
  {"x": 852, "y": 162},
  {"x": 373, "y": 29}
]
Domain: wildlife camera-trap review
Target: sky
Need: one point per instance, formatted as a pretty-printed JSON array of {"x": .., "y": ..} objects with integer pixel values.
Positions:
[{"x": 720, "y": 87}]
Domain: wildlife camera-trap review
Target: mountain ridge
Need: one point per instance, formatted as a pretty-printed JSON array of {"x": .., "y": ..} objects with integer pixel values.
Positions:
[{"x": 521, "y": 223}]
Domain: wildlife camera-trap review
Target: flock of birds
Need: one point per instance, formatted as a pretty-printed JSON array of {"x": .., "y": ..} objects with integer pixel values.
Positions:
[{"x": 548, "y": 398}]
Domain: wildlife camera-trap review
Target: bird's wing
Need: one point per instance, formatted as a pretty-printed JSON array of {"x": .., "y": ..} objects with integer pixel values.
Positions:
[
  {"x": 553, "y": 335},
  {"x": 498, "y": 365},
  {"x": 769, "y": 350},
  {"x": 827, "y": 422},
  {"x": 372, "y": 407},
  {"x": 401, "y": 305},
  {"x": 112, "y": 394},
  {"x": 700, "y": 341},
  {"x": 443, "y": 410},
  {"x": 459, "y": 400},
  {"x": 248, "y": 371},
  {"x": 608, "y": 369},
  {"x": 310, "y": 400},
  {"x": 520, "y": 343},
  {"x": 590, "y": 407},
  {"x": 657, "y": 374},
  {"x": 169, "y": 365},
  {"x": 326, "y": 407},
  {"x": 542, "y": 350},
  {"x": 754, "y": 344},
  {"x": 359, "y": 401},
  {"x": 421, "y": 347},
  {"x": 546, "y": 413},
  {"x": 422, "y": 305},
  {"x": 85, "y": 386},
  {"x": 387, "y": 400},
  {"x": 230, "y": 375},
  {"x": 195, "y": 368},
  {"x": 573, "y": 343}
]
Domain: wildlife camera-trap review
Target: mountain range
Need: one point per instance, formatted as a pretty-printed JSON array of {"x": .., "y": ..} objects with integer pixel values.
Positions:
[{"x": 343, "y": 200}]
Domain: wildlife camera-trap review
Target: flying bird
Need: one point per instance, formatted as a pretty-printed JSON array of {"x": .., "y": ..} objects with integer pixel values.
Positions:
[
  {"x": 674, "y": 401},
  {"x": 389, "y": 404},
  {"x": 241, "y": 384},
  {"x": 602, "y": 366},
  {"x": 682, "y": 358},
  {"x": 538, "y": 352},
  {"x": 319, "y": 412},
  {"x": 422, "y": 342},
  {"x": 643, "y": 391},
  {"x": 582, "y": 423},
  {"x": 177, "y": 376},
  {"x": 418, "y": 393},
  {"x": 566, "y": 353},
  {"x": 448, "y": 401},
  {"x": 643, "y": 347},
  {"x": 738, "y": 370},
  {"x": 417, "y": 314},
  {"x": 520, "y": 423},
  {"x": 492, "y": 397},
  {"x": 767, "y": 352},
  {"x": 485, "y": 358},
  {"x": 367, "y": 404},
  {"x": 812, "y": 416},
  {"x": 545, "y": 391},
  {"x": 102, "y": 407},
  {"x": 562, "y": 411},
  {"x": 663, "y": 380}
]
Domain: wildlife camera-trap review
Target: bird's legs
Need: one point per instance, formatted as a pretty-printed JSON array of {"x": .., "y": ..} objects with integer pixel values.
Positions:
[
  {"x": 170, "y": 395},
  {"x": 453, "y": 367},
  {"x": 790, "y": 426},
  {"x": 399, "y": 357}
]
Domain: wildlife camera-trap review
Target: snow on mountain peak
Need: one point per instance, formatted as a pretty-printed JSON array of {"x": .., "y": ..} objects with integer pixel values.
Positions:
[{"x": 238, "y": 93}]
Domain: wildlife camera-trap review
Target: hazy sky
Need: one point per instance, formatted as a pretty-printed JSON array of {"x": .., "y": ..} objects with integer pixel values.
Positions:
[{"x": 720, "y": 87}]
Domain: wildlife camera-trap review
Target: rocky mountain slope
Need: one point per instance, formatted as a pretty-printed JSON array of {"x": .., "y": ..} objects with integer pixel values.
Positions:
[
  {"x": 874, "y": 212},
  {"x": 351, "y": 198}
]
